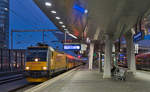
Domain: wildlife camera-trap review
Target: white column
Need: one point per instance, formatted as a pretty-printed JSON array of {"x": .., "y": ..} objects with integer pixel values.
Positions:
[
  {"x": 91, "y": 55},
  {"x": 132, "y": 63},
  {"x": 108, "y": 57},
  {"x": 131, "y": 54},
  {"x": 100, "y": 62}
]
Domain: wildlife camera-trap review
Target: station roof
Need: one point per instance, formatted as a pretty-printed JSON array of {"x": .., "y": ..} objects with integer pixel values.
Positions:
[{"x": 84, "y": 17}]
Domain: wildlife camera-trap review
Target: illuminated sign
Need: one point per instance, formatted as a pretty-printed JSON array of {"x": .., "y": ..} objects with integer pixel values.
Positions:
[
  {"x": 137, "y": 37},
  {"x": 147, "y": 37},
  {"x": 72, "y": 46},
  {"x": 77, "y": 7}
]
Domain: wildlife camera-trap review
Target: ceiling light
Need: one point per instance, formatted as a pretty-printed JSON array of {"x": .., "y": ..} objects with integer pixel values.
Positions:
[
  {"x": 6, "y": 9},
  {"x": 72, "y": 36},
  {"x": 66, "y": 29},
  {"x": 53, "y": 11},
  {"x": 48, "y": 4},
  {"x": 60, "y": 22},
  {"x": 86, "y": 11},
  {"x": 63, "y": 26},
  {"x": 57, "y": 17}
]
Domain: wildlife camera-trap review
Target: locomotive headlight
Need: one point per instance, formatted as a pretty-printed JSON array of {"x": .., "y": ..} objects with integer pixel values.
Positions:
[
  {"x": 44, "y": 68},
  {"x": 36, "y": 59},
  {"x": 27, "y": 68}
]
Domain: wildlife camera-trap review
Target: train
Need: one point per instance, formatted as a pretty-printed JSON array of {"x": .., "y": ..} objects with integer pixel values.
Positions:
[
  {"x": 143, "y": 61},
  {"x": 12, "y": 60},
  {"x": 42, "y": 62}
]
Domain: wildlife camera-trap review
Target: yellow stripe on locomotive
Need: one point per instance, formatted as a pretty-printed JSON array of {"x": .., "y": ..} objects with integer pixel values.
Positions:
[{"x": 36, "y": 66}]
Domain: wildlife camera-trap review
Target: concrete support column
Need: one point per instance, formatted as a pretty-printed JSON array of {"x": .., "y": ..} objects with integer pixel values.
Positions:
[
  {"x": 91, "y": 56},
  {"x": 108, "y": 57},
  {"x": 130, "y": 53},
  {"x": 100, "y": 62}
]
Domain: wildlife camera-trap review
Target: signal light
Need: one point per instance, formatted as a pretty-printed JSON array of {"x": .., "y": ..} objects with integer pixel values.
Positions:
[{"x": 79, "y": 56}]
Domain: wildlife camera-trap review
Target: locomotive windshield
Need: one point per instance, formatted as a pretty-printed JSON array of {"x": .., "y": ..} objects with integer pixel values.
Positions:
[{"x": 36, "y": 55}]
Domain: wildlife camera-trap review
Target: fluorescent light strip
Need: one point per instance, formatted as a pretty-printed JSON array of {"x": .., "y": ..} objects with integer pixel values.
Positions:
[
  {"x": 66, "y": 29},
  {"x": 60, "y": 22},
  {"x": 63, "y": 26},
  {"x": 53, "y": 12},
  {"x": 48, "y": 4},
  {"x": 72, "y": 36},
  {"x": 58, "y": 18}
]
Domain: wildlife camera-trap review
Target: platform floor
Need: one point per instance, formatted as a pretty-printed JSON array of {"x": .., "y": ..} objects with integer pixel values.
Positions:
[{"x": 84, "y": 80}]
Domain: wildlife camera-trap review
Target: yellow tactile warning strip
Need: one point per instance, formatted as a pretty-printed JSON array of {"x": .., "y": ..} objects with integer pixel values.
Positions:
[{"x": 49, "y": 82}]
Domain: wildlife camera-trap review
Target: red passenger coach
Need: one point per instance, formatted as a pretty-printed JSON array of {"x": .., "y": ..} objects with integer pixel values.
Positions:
[
  {"x": 143, "y": 61},
  {"x": 12, "y": 60}
]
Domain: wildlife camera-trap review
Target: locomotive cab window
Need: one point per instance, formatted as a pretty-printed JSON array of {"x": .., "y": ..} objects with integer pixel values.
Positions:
[{"x": 37, "y": 55}]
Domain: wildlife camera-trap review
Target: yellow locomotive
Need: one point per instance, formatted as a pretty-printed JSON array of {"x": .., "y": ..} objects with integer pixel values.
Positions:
[{"x": 43, "y": 61}]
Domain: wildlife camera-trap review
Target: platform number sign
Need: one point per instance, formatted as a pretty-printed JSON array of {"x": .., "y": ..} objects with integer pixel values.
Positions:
[{"x": 137, "y": 37}]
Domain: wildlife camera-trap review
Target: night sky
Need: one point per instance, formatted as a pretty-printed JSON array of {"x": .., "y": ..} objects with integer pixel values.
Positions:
[{"x": 25, "y": 15}]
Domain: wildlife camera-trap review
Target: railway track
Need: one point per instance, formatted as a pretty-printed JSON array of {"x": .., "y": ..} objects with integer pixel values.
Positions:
[
  {"x": 18, "y": 83},
  {"x": 30, "y": 85},
  {"x": 23, "y": 88},
  {"x": 9, "y": 79}
]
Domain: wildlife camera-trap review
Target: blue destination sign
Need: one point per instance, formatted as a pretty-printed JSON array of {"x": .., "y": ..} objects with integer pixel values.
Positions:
[
  {"x": 147, "y": 37},
  {"x": 137, "y": 37},
  {"x": 72, "y": 46},
  {"x": 77, "y": 7}
]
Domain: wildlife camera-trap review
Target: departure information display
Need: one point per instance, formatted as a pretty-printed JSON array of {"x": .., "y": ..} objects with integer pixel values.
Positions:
[{"x": 72, "y": 46}]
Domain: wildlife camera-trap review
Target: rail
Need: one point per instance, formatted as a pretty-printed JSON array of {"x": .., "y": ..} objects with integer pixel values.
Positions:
[{"x": 11, "y": 78}]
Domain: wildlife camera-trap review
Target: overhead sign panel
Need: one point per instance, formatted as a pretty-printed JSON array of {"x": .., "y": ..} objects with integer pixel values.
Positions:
[
  {"x": 147, "y": 37},
  {"x": 77, "y": 7},
  {"x": 72, "y": 46},
  {"x": 137, "y": 37}
]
